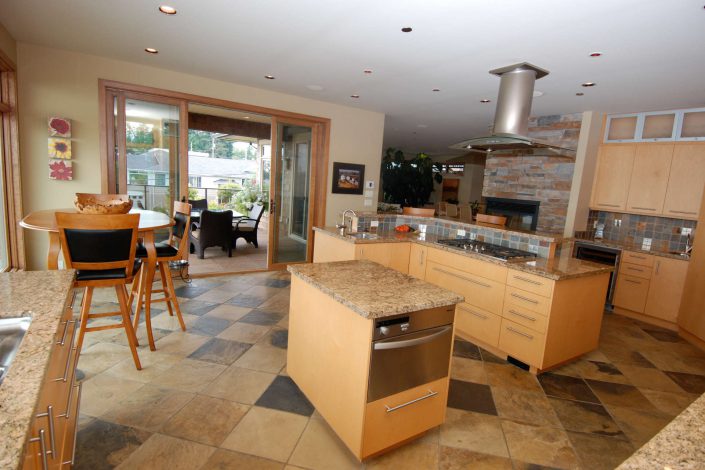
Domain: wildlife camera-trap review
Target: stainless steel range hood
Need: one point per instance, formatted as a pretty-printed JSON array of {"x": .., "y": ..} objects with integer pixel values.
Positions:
[{"x": 509, "y": 135}]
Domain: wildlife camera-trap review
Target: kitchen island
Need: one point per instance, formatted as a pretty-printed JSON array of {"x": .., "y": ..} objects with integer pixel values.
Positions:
[{"x": 370, "y": 348}]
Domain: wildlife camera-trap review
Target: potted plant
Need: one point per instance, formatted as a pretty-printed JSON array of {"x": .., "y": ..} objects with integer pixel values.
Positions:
[{"x": 408, "y": 182}]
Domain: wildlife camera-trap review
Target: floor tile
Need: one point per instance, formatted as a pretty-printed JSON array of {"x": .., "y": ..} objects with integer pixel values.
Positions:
[
  {"x": 244, "y": 332},
  {"x": 153, "y": 363},
  {"x": 240, "y": 385},
  {"x": 466, "y": 349},
  {"x": 263, "y": 357},
  {"x": 284, "y": 395},
  {"x": 417, "y": 455},
  {"x": 189, "y": 422},
  {"x": 320, "y": 448},
  {"x": 229, "y": 312},
  {"x": 180, "y": 343},
  {"x": 102, "y": 392},
  {"x": 101, "y": 356},
  {"x": 226, "y": 459},
  {"x": 452, "y": 458},
  {"x": 220, "y": 351},
  {"x": 649, "y": 378},
  {"x": 209, "y": 326},
  {"x": 271, "y": 434},
  {"x": 104, "y": 445},
  {"x": 261, "y": 317},
  {"x": 215, "y": 295},
  {"x": 563, "y": 386},
  {"x": 277, "y": 283},
  {"x": 620, "y": 395},
  {"x": 190, "y": 292},
  {"x": 600, "y": 452},
  {"x": 625, "y": 355},
  {"x": 670, "y": 403},
  {"x": 468, "y": 370},
  {"x": 524, "y": 407},
  {"x": 539, "y": 445},
  {"x": 691, "y": 383},
  {"x": 639, "y": 425},
  {"x": 148, "y": 408},
  {"x": 162, "y": 451},
  {"x": 473, "y": 431},
  {"x": 279, "y": 338},
  {"x": 663, "y": 335},
  {"x": 603, "y": 371},
  {"x": 668, "y": 360},
  {"x": 247, "y": 300},
  {"x": 509, "y": 376},
  {"x": 470, "y": 396},
  {"x": 197, "y": 307},
  {"x": 489, "y": 357},
  {"x": 189, "y": 375},
  {"x": 585, "y": 417}
]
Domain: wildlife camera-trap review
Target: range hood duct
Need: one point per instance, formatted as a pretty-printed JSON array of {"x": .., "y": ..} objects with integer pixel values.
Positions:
[{"x": 511, "y": 124}]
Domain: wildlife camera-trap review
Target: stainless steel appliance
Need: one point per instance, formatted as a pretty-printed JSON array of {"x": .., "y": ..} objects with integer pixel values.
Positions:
[
  {"x": 409, "y": 350},
  {"x": 603, "y": 255},
  {"x": 487, "y": 249}
]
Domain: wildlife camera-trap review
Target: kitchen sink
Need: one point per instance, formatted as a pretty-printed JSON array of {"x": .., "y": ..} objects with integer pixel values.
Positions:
[
  {"x": 363, "y": 235},
  {"x": 680, "y": 253},
  {"x": 12, "y": 330}
]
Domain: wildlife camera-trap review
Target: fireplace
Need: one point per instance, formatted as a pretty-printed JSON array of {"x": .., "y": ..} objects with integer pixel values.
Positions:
[{"x": 521, "y": 214}]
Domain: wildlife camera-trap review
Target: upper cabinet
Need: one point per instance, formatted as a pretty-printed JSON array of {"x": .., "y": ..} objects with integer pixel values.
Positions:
[
  {"x": 612, "y": 178},
  {"x": 652, "y": 165},
  {"x": 676, "y": 125},
  {"x": 686, "y": 181}
]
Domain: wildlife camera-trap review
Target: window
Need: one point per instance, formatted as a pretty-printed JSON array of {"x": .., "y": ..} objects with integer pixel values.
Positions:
[
  {"x": 194, "y": 181},
  {"x": 160, "y": 179},
  {"x": 137, "y": 177}
]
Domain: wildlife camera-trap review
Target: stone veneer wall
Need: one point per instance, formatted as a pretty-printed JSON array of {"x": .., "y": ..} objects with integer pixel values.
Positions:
[{"x": 544, "y": 179}]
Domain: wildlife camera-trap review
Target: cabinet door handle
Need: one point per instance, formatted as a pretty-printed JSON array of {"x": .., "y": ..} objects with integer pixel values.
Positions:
[
  {"x": 644, "y": 208},
  {"x": 609, "y": 205},
  {"x": 421, "y": 253},
  {"x": 68, "y": 356},
  {"x": 472, "y": 312},
  {"x": 635, "y": 269},
  {"x": 463, "y": 277},
  {"x": 530, "y": 281},
  {"x": 75, "y": 428},
  {"x": 522, "y": 315},
  {"x": 514, "y": 294},
  {"x": 42, "y": 448},
  {"x": 520, "y": 333},
  {"x": 637, "y": 256},
  {"x": 633, "y": 281},
  {"x": 62, "y": 341},
  {"x": 682, "y": 212},
  {"x": 658, "y": 266},
  {"x": 430, "y": 394},
  {"x": 49, "y": 415}
]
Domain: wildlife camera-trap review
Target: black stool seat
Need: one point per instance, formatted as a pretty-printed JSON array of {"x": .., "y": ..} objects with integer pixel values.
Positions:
[
  {"x": 164, "y": 250},
  {"x": 106, "y": 274}
]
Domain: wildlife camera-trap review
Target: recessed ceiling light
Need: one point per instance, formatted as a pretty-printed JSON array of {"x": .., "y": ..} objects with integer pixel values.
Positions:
[
  {"x": 151, "y": 50},
  {"x": 269, "y": 77},
  {"x": 354, "y": 96},
  {"x": 167, "y": 10},
  {"x": 367, "y": 72},
  {"x": 436, "y": 89},
  {"x": 406, "y": 29},
  {"x": 485, "y": 101},
  {"x": 579, "y": 93},
  {"x": 589, "y": 84},
  {"x": 595, "y": 54}
]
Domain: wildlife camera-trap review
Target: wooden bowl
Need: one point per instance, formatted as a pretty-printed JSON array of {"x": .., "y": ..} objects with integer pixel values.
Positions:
[{"x": 102, "y": 203}]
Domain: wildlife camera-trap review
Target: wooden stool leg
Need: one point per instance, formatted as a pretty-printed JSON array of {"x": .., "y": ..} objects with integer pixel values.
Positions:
[
  {"x": 127, "y": 324},
  {"x": 135, "y": 288},
  {"x": 163, "y": 274},
  {"x": 171, "y": 295},
  {"x": 140, "y": 296},
  {"x": 129, "y": 305},
  {"x": 85, "y": 308}
]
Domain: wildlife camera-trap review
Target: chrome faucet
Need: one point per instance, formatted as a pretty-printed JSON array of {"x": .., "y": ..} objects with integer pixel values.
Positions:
[
  {"x": 343, "y": 226},
  {"x": 688, "y": 245}
]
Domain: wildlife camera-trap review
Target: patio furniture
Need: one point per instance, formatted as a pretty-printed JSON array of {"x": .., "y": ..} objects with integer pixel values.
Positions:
[
  {"x": 101, "y": 248},
  {"x": 198, "y": 204},
  {"x": 246, "y": 227},
  {"x": 214, "y": 229},
  {"x": 418, "y": 211}
]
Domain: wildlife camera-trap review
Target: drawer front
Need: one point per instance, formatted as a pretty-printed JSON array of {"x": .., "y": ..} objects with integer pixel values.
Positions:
[
  {"x": 530, "y": 282},
  {"x": 636, "y": 270},
  {"x": 478, "y": 291},
  {"x": 393, "y": 419},
  {"x": 477, "y": 323},
  {"x": 631, "y": 293},
  {"x": 525, "y": 317},
  {"x": 477, "y": 267},
  {"x": 527, "y": 300},
  {"x": 522, "y": 343},
  {"x": 637, "y": 258}
]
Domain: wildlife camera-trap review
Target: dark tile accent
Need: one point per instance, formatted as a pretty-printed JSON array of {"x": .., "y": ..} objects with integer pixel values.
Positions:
[
  {"x": 531, "y": 466},
  {"x": 466, "y": 349},
  {"x": 207, "y": 283},
  {"x": 279, "y": 339},
  {"x": 585, "y": 417},
  {"x": 103, "y": 445},
  {"x": 470, "y": 396},
  {"x": 197, "y": 307},
  {"x": 261, "y": 317},
  {"x": 620, "y": 395},
  {"x": 276, "y": 283},
  {"x": 563, "y": 386},
  {"x": 599, "y": 452},
  {"x": 79, "y": 375},
  {"x": 691, "y": 383},
  {"x": 284, "y": 395},
  {"x": 666, "y": 336},
  {"x": 209, "y": 326},
  {"x": 220, "y": 351},
  {"x": 189, "y": 292},
  {"x": 489, "y": 357},
  {"x": 247, "y": 300}
]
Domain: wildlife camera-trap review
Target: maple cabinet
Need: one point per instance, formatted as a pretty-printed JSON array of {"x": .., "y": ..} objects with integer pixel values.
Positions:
[
  {"x": 649, "y": 178},
  {"x": 613, "y": 175},
  {"x": 331, "y": 248},
  {"x": 417, "y": 261},
  {"x": 685, "y": 182}
]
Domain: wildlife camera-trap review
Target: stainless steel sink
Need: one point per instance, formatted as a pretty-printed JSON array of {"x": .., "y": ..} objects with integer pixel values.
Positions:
[
  {"x": 12, "y": 330},
  {"x": 363, "y": 235}
]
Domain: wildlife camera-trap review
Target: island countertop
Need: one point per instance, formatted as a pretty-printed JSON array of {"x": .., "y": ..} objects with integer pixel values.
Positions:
[
  {"x": 371, "y": 290},
  {"x": 41, "y": 295}
]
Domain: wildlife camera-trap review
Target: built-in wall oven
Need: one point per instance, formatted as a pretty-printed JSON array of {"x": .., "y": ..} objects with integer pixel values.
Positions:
[
  {"x": 603, "y": 255},
  {"x": 410, "y": 350}
]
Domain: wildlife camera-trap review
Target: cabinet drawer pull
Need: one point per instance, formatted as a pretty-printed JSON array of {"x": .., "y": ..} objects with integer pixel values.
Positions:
[
  {"x": 530, "y": 281},
  {"x": 522, "y": 315},
  {"x": 75, "y": 427},
  {"x": 421, "y": 253},
  {"x": 66, "y": 330},
  {"x": 472, "y": 312},
  {"x": 683, "y": 212},
  {"x": 658, "y": 266},
  {"x": 644, "y": 208},
  {"x": 633, "y": 281},
  {"x": 430, "y": 394},
  {"x": 635, "y": 269},
  {"x": 609, "y": 205},
  {"x": 637, "y": 256},
  {"x": 514, "y": 294},
  {"x": 49, "y": 415},
  {"x": 68, "y": 356},
  {"x": 42, "y": 448},
  {"x": 520, "y": 333},
  {"x": 463, "y": 278}
]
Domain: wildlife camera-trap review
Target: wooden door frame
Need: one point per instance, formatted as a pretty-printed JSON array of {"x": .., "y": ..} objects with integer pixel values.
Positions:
[{"x": 320, "y": 143}]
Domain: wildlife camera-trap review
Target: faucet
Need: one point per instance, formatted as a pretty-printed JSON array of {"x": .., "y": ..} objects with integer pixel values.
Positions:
[
  {"x": 688, "y": 245},
  {"x": 342, "y": 226}
]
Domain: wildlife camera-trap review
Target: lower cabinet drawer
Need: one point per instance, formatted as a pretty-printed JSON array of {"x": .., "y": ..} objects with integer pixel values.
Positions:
[
  {"x": 527, "y": 300},
  {"x": 485, "y": 293},
  {"x": 522, "y": 343},
  {"x": 525, "y": 317},
  {"x": 477, "y": 323},
  {"x": 635, "y": 270},
  {"x": 398, "y": 417},
  {"x": 630, "y": 293}
]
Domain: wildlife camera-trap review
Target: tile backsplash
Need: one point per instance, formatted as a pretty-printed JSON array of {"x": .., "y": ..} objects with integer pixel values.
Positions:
[{"x": 666, "y": 234}]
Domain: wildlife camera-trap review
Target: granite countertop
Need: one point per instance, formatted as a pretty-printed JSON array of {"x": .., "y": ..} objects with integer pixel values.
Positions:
[
  {"x": 372, "y": 290},
  {"x": 41, "y": 295},
  {"x": 628, "y": 247},
  {"x": 562, "y": 266},
  {"x": 678, "y": 446}
]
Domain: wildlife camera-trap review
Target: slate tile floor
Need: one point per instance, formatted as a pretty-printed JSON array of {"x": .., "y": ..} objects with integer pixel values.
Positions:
[{"x": 217, "y": 395}]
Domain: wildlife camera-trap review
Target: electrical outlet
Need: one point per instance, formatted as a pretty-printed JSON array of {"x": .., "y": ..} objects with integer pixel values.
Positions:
[
  {"x": 617, "y": 222},
  {"x": 594, "y": 224},
  {"x": 473, "y": 235},
  {"x": 533, "y": 248},
  {"x": 646, "y": 244},
  {"x": 685, "y": 231},
  {"x": 461, "y": 232},
  {"x": 422, "y": 228}
]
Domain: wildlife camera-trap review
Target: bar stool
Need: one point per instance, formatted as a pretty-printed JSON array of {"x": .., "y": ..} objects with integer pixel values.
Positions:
[
  {"x": 171, "y": 250},
  {"x": 102, "y": 250}
]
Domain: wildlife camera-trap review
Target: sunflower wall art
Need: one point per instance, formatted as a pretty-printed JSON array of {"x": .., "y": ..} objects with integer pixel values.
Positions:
[
  {"x": 59, "y": 148},
  {"x": 61, "y": 170}
]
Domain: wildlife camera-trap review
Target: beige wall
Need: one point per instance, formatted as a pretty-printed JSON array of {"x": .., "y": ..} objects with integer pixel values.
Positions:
[
  {"x": 56, "y": 82},
  {"x": 8, "y": 44}
]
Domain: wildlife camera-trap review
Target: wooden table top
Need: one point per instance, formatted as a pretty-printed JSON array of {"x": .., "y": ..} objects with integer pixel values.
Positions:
[{"x": 45, "y": 220}]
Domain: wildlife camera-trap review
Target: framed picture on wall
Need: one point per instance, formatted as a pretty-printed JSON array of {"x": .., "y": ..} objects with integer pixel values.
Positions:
[{"x": 348, "y": 178}]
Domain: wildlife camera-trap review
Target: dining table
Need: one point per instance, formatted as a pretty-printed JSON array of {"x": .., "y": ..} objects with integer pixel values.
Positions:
[{"x": 150, "y": 221}]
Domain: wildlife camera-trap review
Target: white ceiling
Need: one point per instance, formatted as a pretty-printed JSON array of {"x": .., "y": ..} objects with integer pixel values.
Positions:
[{"x": 654, "y": 52}]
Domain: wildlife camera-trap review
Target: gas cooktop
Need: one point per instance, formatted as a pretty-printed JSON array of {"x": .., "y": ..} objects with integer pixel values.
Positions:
[{"x": 487, "y": 249}]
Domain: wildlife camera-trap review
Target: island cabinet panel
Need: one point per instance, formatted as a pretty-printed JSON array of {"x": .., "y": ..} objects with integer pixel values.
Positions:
[
  {"x": 530, "y": 282},
  {"x": 478, "y": 323},
  {"x": 488, "y": 270},
  {"x": 521, "y": 343},
  {"x": 685, "y": 182},
  {"x": 647, "y": 191},
  {"x": 417, "y": 261},
  {"x": 329, "y": 248},
  {"x": 390, "y": 255},
  {"x": 614, "y": 171},
  {"x": 527, "y": 300},
  {"x": 478, "y": 291},
  {"x": 525, "y": 317}
]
